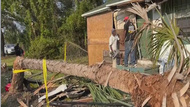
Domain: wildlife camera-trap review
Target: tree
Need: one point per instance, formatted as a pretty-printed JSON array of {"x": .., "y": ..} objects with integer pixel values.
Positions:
[
  {"x": 51, "y": 19},
  {"x": 75, "y": 26},
  {"x": 141, "y": 87},
  {"x": 2, "y": 43},
  {"x": 40, "y": 18}
]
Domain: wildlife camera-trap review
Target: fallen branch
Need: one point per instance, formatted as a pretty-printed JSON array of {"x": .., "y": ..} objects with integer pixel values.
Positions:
[
  {"x": 58, "y": 96},
  {"x": 21, "y": 103},
  {"x": 84, "y": 100},
  {"x": 40, "y": 104},
  {"x": 4, "y": 98}
]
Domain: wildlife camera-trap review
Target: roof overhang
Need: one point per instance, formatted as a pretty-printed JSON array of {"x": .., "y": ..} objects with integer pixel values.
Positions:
[
  {"x": 108, "y": 7},
  {"x": 124, "y": 2},
  {"x": 118, "y": 3},
  {"x": 104, "y": 9}
]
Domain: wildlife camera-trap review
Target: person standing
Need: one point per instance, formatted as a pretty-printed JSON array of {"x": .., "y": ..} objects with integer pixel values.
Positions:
[
  {"x": 17, "y": 49},
  {"x": 129, "y": 34},
  {"x": 114, "y": 48}
]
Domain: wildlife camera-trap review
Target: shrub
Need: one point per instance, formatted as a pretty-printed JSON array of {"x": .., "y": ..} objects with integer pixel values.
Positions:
[{"x": 44, "y": 48}]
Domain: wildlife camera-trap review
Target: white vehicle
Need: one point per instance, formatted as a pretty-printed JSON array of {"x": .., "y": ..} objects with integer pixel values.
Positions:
[{"x": 9, "y": 49}]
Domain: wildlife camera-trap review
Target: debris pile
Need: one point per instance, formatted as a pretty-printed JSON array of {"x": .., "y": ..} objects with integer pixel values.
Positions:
[{"x": 71, "y": 92}]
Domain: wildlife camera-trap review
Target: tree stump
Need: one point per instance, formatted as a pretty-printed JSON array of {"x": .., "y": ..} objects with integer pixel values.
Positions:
[{"x": 18, "y": 78}]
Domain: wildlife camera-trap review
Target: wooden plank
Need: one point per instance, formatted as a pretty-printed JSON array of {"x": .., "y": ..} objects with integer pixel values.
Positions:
[
  {"x": 95, "y": 53},
  {"x": 98, "y": 30},
  {"x": 21, "y": 103},
  {"x": 98, "y": 41},
  {"x": 84, "y": 100}
]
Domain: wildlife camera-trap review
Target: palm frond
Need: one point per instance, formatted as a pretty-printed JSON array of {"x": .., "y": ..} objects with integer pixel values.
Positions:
[
  {"x": 106, "y": 94},
  {"x": 166, "y": 37}
]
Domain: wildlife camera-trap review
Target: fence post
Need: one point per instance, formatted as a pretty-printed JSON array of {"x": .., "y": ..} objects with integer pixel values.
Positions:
[{"x": 65, "y": 51}]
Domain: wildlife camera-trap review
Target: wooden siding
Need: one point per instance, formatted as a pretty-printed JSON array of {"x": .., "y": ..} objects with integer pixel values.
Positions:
[{"x": 98, "y": 30}]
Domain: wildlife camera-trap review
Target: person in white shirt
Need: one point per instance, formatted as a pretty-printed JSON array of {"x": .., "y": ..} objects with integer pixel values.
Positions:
[{"x": 114, "y": 48}]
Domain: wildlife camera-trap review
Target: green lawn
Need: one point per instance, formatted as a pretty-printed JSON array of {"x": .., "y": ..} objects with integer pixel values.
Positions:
[
  {"x": 80, "y": 60},
  {"x": 8, "y": 60}
]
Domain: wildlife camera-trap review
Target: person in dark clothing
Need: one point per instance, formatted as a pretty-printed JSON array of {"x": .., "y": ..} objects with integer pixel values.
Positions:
[
  {"x": 129, "y": 33},
  {"x": 17, "y": 49}
]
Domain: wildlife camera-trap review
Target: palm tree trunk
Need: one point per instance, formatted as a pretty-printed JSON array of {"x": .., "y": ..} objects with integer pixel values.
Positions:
[{"x": 138, "y": 85}]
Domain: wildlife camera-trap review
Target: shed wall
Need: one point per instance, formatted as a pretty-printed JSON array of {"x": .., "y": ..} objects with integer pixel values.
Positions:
[{"x": 98, "y": 31}]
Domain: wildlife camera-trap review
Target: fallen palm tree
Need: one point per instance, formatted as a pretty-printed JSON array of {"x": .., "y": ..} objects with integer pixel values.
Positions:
[{"x": 142, "y": 88}]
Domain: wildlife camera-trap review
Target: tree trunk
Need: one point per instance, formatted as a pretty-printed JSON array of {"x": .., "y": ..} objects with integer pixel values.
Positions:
[
  {"x": 17, "y": 79},
  {"x": 2, "y": 44},
  {"x": 138, "y": 85}
]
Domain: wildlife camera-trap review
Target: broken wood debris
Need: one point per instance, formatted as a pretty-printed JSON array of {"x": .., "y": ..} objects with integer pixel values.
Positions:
[
  {"x": 40, "y": 104},
  {"x": 21, "y": 103},
  {"x": 84, "y": 100},
  {"x": 61, "y": 88},
  {"x": 51, "y": 81},
  {"x": 58, "y": 96},
  {"x": 75, "y": 94},
  {"x": 67, "y": 92}
]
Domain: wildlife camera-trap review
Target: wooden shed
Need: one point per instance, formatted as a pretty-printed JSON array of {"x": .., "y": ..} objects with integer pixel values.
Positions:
[{"x": 100, "y": 22}]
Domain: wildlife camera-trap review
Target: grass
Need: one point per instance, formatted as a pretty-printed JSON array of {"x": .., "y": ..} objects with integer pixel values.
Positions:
[
  {"x": 80, "y": 60},
  {"x": 8, "y": 60}
]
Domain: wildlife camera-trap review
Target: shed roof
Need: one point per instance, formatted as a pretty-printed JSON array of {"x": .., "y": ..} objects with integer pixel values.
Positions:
[{"x": 106, "y": 7}]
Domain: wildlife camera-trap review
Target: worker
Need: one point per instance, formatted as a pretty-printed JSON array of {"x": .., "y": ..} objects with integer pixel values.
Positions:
[
  {"x": 129, "y": 34},
  {"x": 114, "y": 48}
]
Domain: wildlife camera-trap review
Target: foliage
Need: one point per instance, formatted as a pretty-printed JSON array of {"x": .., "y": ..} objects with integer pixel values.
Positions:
[
  {"x": 105, "y": 94},
  {"x": 38, "y": 18},
  {"x": 167, "y": 38},
  {"x": 75, "y": 26},
  {"x": 44, "y": 48},
  {"x": 75, "y": 54},
  {"x": 8, "y": 60},
  {"x": 164, "y": 37},
  {"x": 52, "y": 19},
  {"x": 100, "y": 93}
]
